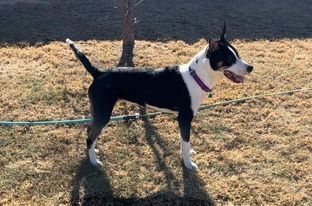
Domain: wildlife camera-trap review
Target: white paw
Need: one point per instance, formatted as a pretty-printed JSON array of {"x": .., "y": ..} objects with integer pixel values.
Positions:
[
  {"x": 96, "y": 163},
  {"x": 192, "y": 152},
  {"x": 191, "y": 165},
  {"x": 92, "y": 157},
  {"x": 96, "y": 150}
]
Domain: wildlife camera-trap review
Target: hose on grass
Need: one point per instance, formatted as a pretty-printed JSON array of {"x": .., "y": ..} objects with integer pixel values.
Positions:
[{"x": 147, "y": 115}]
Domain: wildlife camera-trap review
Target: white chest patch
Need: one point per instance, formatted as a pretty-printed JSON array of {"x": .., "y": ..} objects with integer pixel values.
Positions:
[{"x": 196, "y": 93}]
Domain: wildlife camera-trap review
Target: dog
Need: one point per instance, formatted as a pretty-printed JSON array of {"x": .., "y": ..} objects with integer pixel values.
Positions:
[{"x": 179, "y": 89}]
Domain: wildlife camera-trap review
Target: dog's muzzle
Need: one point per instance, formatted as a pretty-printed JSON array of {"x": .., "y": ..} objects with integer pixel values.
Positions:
[
  {"x": 249, "y": 69},
  {"x": 235, "y": 77}
]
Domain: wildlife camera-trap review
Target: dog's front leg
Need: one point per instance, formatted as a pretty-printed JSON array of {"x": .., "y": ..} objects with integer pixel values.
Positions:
[{"x": 185, "y": 130}]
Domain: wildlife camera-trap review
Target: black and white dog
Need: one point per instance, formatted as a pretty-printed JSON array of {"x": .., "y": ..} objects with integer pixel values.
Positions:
[{"x": 179, "y": 89}]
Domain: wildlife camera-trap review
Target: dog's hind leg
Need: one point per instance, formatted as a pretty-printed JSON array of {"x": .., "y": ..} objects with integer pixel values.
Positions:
[
  {"x": 100, "y": 118},
  {"x": 93, "y": 135}
]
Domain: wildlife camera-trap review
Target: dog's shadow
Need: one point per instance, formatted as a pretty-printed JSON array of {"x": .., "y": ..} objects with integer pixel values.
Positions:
[
  {"x": 194, "y": 192},
  {"x": 91, "y": 185}
]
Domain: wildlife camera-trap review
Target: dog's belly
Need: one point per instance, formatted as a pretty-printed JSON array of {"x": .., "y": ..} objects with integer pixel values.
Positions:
[
  {"x": 165, "y": 110},
  {"x": 162, "y": 109}
]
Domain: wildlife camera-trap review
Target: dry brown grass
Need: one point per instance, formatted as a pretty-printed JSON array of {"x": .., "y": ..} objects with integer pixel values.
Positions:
[{"x": 258, "y": 152}]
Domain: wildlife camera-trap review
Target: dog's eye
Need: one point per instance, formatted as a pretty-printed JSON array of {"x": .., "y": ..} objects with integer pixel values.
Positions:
[{"x": 220, "y": 64}]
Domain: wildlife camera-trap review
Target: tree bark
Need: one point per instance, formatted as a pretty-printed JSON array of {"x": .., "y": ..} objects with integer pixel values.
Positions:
[{"x": 126, "y": 8}]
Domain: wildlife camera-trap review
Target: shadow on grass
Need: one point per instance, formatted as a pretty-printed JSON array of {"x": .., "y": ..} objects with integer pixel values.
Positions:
[
  {"x": 91, "y": 185},
  {"x": 194, "y": 192},
  {"x": 43, "y": 21}
]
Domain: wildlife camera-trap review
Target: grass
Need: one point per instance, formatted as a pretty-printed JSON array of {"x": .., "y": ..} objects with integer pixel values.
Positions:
[{"x": 258, "y": 152}]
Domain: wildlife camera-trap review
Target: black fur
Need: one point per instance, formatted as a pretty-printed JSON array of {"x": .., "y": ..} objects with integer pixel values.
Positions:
[
  {"x": 162, "y": 88},
  {"x": 85, "y": 61},
  {"x": 222, "y": 57}
]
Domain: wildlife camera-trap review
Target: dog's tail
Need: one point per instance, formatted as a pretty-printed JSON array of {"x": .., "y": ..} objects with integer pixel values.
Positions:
[{"x": 84, "y": 60}]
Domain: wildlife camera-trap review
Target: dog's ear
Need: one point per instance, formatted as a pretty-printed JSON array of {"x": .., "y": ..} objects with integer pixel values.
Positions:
[
  {"x": 222, "y": 36},
  {"x": 213, "y": 46}
]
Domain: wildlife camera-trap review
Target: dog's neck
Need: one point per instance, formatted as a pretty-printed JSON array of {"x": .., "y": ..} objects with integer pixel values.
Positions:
[{"x": 200, "y": 63}]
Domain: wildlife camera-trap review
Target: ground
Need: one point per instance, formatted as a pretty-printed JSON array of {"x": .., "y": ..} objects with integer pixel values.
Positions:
[{"x": 252, "y": 153}]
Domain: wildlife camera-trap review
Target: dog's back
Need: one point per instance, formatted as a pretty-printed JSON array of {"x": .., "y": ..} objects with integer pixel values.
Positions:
[{"x": 162, "y": 88}]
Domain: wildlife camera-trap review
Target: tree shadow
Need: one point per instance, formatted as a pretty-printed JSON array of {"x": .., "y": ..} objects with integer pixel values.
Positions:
[{"x": 33, "y": 21}]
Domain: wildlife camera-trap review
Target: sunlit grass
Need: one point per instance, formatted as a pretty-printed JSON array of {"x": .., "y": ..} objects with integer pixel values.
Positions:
[{"x": 258, "y": 152}]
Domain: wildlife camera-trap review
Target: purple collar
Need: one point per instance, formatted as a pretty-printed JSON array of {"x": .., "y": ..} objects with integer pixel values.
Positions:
[{"x": 200, "y": 83}]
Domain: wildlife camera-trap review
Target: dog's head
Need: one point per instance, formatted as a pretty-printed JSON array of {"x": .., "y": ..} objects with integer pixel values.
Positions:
[{"x": 224, "y": 57}]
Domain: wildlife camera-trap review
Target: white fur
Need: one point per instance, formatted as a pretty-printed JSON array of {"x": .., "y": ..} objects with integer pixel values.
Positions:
[
  {"x": 203, "y": 69},
  {"x": 92, "y": 155},
  {"x": 240, "y": 67},
  {"x": 68, "y": 41},
  {"x": 186, "y": 154}
]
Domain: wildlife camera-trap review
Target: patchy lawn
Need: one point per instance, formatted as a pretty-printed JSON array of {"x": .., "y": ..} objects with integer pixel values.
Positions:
[{"x": 258, "y": 152}]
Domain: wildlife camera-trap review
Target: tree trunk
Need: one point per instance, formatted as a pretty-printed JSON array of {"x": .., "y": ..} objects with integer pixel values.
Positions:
[{"x": 126, "y": 8}]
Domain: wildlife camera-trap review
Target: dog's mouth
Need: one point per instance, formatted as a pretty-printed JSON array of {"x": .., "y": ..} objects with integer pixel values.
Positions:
[{"x": 233, "y": 77}]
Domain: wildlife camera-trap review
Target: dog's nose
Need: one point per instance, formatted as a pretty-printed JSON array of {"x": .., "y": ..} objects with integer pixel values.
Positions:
[{"x": 249, "y": 69}]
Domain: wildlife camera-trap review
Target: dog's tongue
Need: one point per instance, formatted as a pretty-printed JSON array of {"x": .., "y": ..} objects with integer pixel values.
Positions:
[
  {"x": 239, "y": 79},
  {"x": 234, "y": 77}
]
